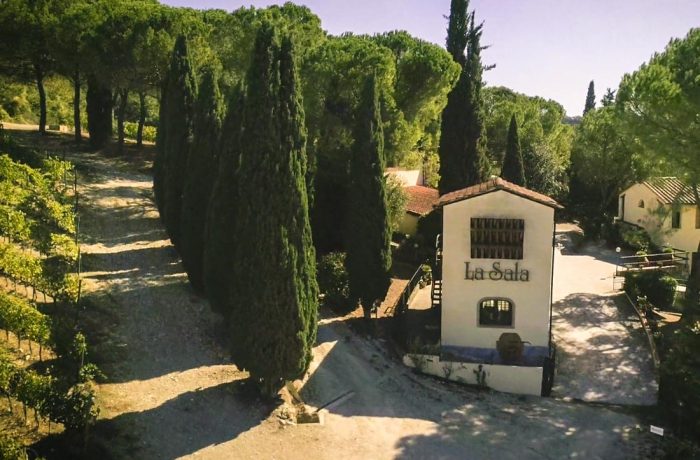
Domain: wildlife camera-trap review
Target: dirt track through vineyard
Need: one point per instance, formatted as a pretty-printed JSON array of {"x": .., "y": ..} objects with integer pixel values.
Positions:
[{"x": 171, "y": 392}]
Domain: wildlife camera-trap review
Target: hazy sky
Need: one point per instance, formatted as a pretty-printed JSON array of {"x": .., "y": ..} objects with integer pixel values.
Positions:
[{"x": 549, "y": 48}]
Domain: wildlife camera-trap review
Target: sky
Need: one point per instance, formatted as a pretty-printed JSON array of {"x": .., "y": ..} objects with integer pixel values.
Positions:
[{"x": 547, "y": 48}]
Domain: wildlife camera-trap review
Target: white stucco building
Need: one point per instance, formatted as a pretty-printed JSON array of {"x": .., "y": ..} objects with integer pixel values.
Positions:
[
  {"x": 666, "y": 208},
  {"x": 497, "y": 264}
]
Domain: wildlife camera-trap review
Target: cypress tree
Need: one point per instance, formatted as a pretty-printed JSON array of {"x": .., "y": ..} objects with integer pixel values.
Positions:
[
  {"x": 274, "y": 308},
  {"x": 368, "y": 252},
  {"x": 181, "y": 93},
  {"x": 219, "y": 241},
  {"x": 590, "y": 98},
  {"x": 462, "y": 140},
  {"x": 513, "y": 170},
  {"x": 453, "y": 123},
  {"x": 201, "y": 174},
  {"x": 161, "y": 136},
  {"x": 99, "y": 112},
  {"x": 477, "y": 166}
]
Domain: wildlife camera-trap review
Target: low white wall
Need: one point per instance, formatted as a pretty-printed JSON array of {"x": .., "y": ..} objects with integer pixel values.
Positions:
[{"x": 509, "y": 379}]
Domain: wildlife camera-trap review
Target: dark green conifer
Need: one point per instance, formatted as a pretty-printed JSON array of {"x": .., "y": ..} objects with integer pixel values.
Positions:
[
  {"x": 453, "y": 123},
  {"x": 590, "y": 98},
  {"x": 477, "y": 165},
  {"x": 274, "y": 308},
  {"x": 99, "y": 112},
  {"x": 201, "y": 174},
  {"x": 368, "y": 252},
  {"x": 180, "y": 96},
  {"x": 513, "y": 170},
  {"x": 220, "y": 241},
  {"x": 462, "y": 158}
]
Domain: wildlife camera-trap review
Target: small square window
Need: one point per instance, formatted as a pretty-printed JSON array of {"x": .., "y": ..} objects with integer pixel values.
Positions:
[
  {"x": 496, "y": 312},
  {"x": 497, "y": 238}
]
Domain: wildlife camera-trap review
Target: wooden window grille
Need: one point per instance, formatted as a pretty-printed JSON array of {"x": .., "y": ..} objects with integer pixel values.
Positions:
[{"x": 497, "y": 238}]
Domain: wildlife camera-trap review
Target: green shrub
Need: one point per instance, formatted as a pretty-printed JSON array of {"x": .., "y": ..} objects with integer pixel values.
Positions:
[
  {"x": 679, "y": 385},
  {"x": 131, "y": 128},
  {"x": 10, "y": 449},
  {"x": 634, "y": 237},
  {"x": 333, "y": 281},
  {"x": 659, "y": 289}
]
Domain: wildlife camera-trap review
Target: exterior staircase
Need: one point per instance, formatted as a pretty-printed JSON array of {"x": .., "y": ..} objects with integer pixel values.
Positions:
[{"x": 436, "y": 289}]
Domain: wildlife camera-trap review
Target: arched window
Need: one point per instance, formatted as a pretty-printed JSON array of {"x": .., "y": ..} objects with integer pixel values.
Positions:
[
  {"x": 496, "y": 312},
  {"x": 641, "y": 203}
]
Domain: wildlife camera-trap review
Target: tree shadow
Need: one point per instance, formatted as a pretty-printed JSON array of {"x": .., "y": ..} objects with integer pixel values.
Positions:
[
  {"x": 230, "y": 411},
  {"x": 602, "y": 351},
  {"x": 526, "y": 427}
]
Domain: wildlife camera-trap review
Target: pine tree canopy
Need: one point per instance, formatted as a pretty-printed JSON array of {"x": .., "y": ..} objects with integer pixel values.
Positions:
[
  {"x": 368, "y": 252},
  {"x": 201, "y": 174},
  {"x": 513, "y": 170}
]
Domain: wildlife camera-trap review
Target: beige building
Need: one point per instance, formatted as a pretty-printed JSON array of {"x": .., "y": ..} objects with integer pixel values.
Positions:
[
  {"x": 421, "y": 199},
  {"x": 497, "y": 265},
  {"x": 666, "y": 208}
]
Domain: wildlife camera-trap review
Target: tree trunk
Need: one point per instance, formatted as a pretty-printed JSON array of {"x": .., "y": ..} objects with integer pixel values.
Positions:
[
  {"x": 76, "y": 107},
  {"x": 142, "y": 118},
  {"x": 39, "y": 73},
  {"x": 123, "y": 95}
]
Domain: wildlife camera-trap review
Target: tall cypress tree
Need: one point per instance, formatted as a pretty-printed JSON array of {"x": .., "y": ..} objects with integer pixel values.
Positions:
[
  {"x": 181, "y": 93},
  {"x": 274, "y": 308},
  {"x": 368, "y": 253},
  {"x": 453, "y": 123},
  {"x": 99, "y": 112},
  {"x": 220, "y": 241},
  {"x": 590, "y": 98},
  {"x": 477, "y": 165},
  {"x": 462, "y": 158},
  {"x": 201, "y": 174},
  {"x": 513, "y": 170}
]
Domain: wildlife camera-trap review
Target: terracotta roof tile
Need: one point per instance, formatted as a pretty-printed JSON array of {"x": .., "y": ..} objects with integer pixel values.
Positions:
[
  {"x": 492, "y": 185},
  {"x": 421, "y": 200},
  {"x": 671, "y": 190}
]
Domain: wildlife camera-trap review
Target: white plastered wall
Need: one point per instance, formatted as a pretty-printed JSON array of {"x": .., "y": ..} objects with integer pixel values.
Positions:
[{"x": 460, "y": 297}]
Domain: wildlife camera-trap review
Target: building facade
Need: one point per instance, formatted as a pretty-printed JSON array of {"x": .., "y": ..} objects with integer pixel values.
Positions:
[
  {"x": 664, "y": 207},
  {"x": 497, "y": 266}
]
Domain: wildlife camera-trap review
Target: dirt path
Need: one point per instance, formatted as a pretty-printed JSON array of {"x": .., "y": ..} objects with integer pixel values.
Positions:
[{"x": 171, "y": 393}]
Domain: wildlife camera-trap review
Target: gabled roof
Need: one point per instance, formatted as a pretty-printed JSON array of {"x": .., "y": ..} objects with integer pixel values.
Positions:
[
  {"x": 421, "y": 200},
  {"x": 495, "y": 184},
  {"x": 671, "y": 190}
]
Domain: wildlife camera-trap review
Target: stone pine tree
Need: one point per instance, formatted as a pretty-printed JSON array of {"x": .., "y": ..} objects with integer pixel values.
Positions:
[
  {"x": 513, "y": 170},
  {"x": 477, "y": 165},
  {"x": 179, "y": 104},
  {"x": 453, "y": 124},
  {"x": 219, "y": 240},
  {"x": 590, "y": 98},
  {"x": 368, "y": 258},
  {"x": 201, "y": 174},
  {"x": 274, "y": 309},
  {"x": 99, "y": 112}
]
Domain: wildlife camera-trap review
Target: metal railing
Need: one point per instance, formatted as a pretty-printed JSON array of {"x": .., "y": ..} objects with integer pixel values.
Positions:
[{"x": 401, "y": 305}]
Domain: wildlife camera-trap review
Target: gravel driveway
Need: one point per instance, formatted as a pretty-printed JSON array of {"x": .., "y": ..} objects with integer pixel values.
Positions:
[{"x": 602, "y": 351}]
